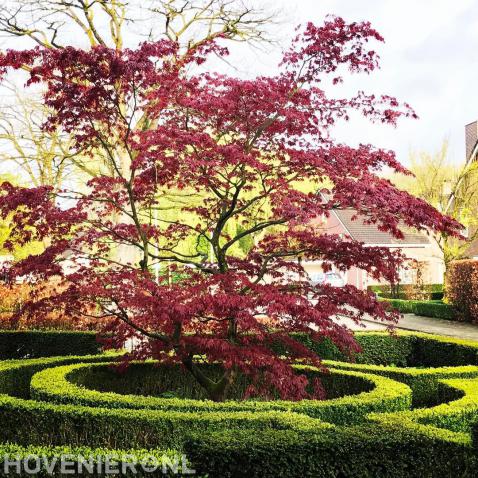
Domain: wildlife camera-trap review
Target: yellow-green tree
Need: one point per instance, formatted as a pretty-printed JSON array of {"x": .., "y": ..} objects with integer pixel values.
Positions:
[{"x": 450, "y": 187}]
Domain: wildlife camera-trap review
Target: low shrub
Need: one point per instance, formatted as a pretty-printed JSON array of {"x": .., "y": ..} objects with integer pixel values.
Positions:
[
  {"x": 426, "y": 308},
  {"x": 28, "y": 422},
  {"x": 439, "y": 351},
  {"x": 400, "y": 444},
  {"x": 402, "y": 349},
  {"x": 169, "y": 381},
  {"x": 424, "y": 382},
  {"x": 449, "y": 357},
  {"x": 456, "y": 415},
  {"x": 16, "y": 344},
  {"x": 438, "y": 310},
  {"x": 462, "y": 288},
  {"x": 16, "y": 375},
  {"x": 31, "y": 422},
  {"x": 403, "y": 306},
  {"x": 44, "y": 402}
]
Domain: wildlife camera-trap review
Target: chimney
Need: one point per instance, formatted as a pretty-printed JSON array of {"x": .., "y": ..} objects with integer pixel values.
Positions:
[{"x": 471, "y": 137}]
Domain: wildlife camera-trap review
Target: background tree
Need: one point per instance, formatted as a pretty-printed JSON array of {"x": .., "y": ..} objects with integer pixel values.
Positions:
[
  {"x": 39, "y": 157},
  {"x": 56, "y": 23},
  {"x": 450, "y": 187},
  {"x": 243, "y": 149}
]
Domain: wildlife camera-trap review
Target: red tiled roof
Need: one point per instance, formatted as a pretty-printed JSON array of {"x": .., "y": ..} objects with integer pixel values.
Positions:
[{"x": 370, "y": 234}]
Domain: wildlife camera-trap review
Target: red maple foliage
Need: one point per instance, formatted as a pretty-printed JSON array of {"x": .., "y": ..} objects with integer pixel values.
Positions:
[{"x": 195, "y": 165}]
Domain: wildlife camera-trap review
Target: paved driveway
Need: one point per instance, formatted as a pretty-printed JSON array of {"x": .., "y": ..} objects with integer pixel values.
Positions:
[{"x": 451, "y": 328}]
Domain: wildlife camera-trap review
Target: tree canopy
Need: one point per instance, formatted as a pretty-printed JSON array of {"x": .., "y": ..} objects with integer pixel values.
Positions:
[{"x": 217, "y": 151}]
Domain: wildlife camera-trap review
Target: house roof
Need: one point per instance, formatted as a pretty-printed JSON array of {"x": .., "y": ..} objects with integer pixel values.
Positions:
[{"x": 371, "y": 234}]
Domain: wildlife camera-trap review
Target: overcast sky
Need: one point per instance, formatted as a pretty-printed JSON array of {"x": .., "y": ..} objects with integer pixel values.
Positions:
[{"x": 429, "y": 59}]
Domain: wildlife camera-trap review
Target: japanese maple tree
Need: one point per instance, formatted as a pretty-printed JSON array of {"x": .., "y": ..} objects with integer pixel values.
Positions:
[{"x": 190, "y": 244}]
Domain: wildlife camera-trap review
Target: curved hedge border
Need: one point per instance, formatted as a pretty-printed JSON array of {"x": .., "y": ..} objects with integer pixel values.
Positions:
[
  {"x": 458, "y": 415},
  {"x": 386, "y": 395},
  {"x": 384, "y": 450},
  {"x": 425, "y": 442},
  {"x": 402, "y": 349},
  {"x": 447, "y": 355},
  {"x": 424, "y": 382},
  {"x": 15, "y": 375},
  {"x": 29, "y": 422},
  {"x": 426, "y": 308},
  {"x": 32, "y": 422}
]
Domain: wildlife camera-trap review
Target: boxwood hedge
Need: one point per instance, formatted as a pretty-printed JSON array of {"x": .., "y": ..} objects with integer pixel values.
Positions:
[
  {"x": 382, "y": 450},
  {"x": 457, "y": 415},
  {"x": 45, "y": 461},
  {"x": 16, "y": 344},
  {"x": 426, "y": 308},
  {"x": 381, "y": 438},
  {"x": 424, "y": 382}
]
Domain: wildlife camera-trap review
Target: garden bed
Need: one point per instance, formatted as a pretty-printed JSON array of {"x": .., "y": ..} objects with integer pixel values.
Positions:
[{"x": 407, "y": 406}]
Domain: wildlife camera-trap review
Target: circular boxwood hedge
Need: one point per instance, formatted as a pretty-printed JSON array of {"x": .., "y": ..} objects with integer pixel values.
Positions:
[
  {"x": 408, "y": 406},
  {"x": 380, "y": 394}
]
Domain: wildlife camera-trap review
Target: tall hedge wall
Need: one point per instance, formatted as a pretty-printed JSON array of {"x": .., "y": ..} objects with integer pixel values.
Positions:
[
  {"x": 18, "y": 344},
  {"x": 462, "y": 288}
]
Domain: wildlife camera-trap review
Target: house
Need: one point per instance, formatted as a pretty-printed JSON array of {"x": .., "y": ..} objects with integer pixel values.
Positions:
[{"x": 416, "y": 246}]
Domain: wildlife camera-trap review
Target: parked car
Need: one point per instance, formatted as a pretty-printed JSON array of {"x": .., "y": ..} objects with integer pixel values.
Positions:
[{"x": 330, "y": 278}]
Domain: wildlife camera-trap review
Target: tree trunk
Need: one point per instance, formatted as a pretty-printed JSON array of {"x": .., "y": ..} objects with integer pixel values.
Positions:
[{"x": 216, "y": 391}]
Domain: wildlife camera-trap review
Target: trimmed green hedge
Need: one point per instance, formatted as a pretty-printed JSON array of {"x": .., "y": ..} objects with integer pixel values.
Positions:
[
  {"x": 384, "y": 395},
  {"x": 403, "y": 349},
  {"x": 424, "y": 382},
  {"x": 434, "y": 309},
  {"x": 425, "y": 442},
  {"x": 428, "y": 308},
  {"x": 379, "y": 450},
  {"x": 16, "y": 375},
  {"x": 17, "y": 344},
  {"x": 31, "y": 422},
  {"x": 377, "y": 348},
  {"x": 457, "y": 415},
  {"x": 448, "y": 356},
  {"x": 129, "y": 461},
  {"x": 373, "y": 433},
  {"x": 403, "y": 306}
]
